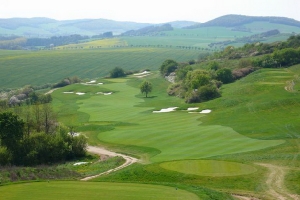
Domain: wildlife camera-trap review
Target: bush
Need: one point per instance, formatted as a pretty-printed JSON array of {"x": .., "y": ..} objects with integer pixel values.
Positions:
[
  {"x": 204, "y": 93},
  {"x": 117, "y": 72},
  {"x": 167, "y": 67},
  {"x": 5, "y": 156},
  {"x": 225, "y": 75}
]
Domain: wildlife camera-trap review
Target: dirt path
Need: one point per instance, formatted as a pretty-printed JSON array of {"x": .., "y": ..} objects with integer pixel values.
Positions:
[
  {"x": 275, "y": 183},
  {"x": 101, "y": 151},
  {"x": 49, "y": 92}
]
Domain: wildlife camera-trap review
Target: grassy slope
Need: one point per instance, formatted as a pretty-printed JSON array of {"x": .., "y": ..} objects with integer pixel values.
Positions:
[{"x": 52, "y": 66}]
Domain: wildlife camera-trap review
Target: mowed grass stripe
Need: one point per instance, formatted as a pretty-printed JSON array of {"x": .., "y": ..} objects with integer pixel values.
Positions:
[
  {"x": 178, "y": 135},
  {"x": 92, "y": 190}
]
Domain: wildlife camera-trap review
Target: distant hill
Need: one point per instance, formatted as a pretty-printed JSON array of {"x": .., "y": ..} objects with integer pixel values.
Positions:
[
  {"x": 181, "y": 24},
  {"x": 149, "y": 30},
  {"x": 45, "y": 27},
  {"x": 240, "y": 20}
]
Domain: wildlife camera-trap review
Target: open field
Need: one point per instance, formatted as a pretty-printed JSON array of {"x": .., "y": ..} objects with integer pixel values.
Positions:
[
  {"x": 88, "y": 190},
  {"x": 52, "y": 66}
]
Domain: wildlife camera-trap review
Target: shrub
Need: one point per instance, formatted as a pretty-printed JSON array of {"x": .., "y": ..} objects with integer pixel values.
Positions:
[
  {"x": 117, "y": 72},
  {"x": 225, "y": 75},
  {"x": 168, "y": 66}
]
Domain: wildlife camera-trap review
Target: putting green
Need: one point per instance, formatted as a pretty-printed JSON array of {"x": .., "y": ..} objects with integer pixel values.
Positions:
[
  {"x": 91, "y": 190},
  {"x": 209, "y": 167}
]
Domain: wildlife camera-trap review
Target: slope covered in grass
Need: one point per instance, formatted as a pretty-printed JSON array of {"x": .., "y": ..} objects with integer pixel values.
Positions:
[
  {"x": 177, "y": 135},
  {"x": 40, "y": 67}
]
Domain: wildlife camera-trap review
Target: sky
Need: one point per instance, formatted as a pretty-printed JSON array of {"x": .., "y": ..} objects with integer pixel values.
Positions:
[{"x": 147, "y": 11}]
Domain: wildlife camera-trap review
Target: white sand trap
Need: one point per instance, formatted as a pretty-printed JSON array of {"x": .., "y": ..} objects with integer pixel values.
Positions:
[
  {"x": 143, "y": 73},
  {"x": 93, "y": 81},
  {"x": 205, "y": 111},
  {"x": 80, "y": 163},
  {"x": 68, "y": 92},
  {"x": 80, "y": 93},
  {"x": 107, "y": 93},
  {"x": 166, "y": 110},
  {"x": 100, "y": 83},
  {"x": 191, "y": 109}
]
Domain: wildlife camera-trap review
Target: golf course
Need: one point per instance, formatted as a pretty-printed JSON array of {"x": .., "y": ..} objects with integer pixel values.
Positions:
[{"x": 185, "y": 114}]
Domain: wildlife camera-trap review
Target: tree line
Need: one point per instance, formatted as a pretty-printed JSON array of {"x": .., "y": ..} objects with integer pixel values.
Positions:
[{"x": 32, "y": 136}]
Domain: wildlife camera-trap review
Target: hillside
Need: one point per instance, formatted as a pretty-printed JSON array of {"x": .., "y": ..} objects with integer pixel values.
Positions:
[
  {"x": 241, "y": 20},
  {"x": 45, "y": 27}
]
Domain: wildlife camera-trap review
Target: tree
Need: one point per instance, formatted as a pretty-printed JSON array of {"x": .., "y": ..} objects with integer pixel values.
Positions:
[
  {"x": 146, "y": 87},
  {"x": 225, "y": 75},
  {"x": 11, "y": 131},
  {"x": 168, "y": 66},
  {"x": 117, "y": 72}
]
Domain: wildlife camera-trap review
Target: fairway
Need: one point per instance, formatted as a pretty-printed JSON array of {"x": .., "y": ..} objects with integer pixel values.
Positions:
[
  {"x": 177, "y": 135},
  {"x": 209, "y": 167},
  {"x": 88, "y": 190}
]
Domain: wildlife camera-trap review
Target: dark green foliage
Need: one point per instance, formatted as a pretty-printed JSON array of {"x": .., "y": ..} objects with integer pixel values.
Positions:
[
  {"x": 225, "y": 75},
  {"x": 214, "y": 66},
  {"x": 280, "y": 58},
  {"x": 117, "y": 72},
  {"x": 197, "y": 78},
  {"x": 36, "y": 148},
  {"x": 11, "y": 131},
  {"x": 146, "y": 87},
  {"x": 167, "y": 67},
  {"x": 182, "y": 72},
  {"x": 204, "y": 93}
]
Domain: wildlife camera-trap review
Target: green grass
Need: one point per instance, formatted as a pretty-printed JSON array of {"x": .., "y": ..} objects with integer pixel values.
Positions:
[
  {"x": 258, "y": 108},
  {"x": 209, "y": 167},
  {"x": 40, "y": 67},
  {"x": 177, "y": 135},
  {"x": 91, "y": 190}
]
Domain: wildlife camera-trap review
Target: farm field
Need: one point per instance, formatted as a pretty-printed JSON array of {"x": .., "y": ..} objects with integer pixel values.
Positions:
[
  {"x": 89, "y": 190},
  {"x": 54, "y": 65}
]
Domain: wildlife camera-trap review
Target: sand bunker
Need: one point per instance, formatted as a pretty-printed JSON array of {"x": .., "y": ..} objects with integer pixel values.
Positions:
[
  {"x": 80, "y": 93},
  {"x": 166, "y": 110},
  {"x": 142, "y": 74},
  {"x": 93, "y": 81},
  {"x": 80, "y": 163},
  {"x": 205, "y": 111},
  {"x": 100, "y": 83},
  {"x": 202, "y": 112},
  {"x": 68, "y": 92},
  {"x": 107, "y": 93},
  {"x": 191, "y": 109}
]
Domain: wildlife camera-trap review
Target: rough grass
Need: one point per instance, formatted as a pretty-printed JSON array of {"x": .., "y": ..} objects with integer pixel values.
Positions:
[{"x": 91, "y": 190}]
